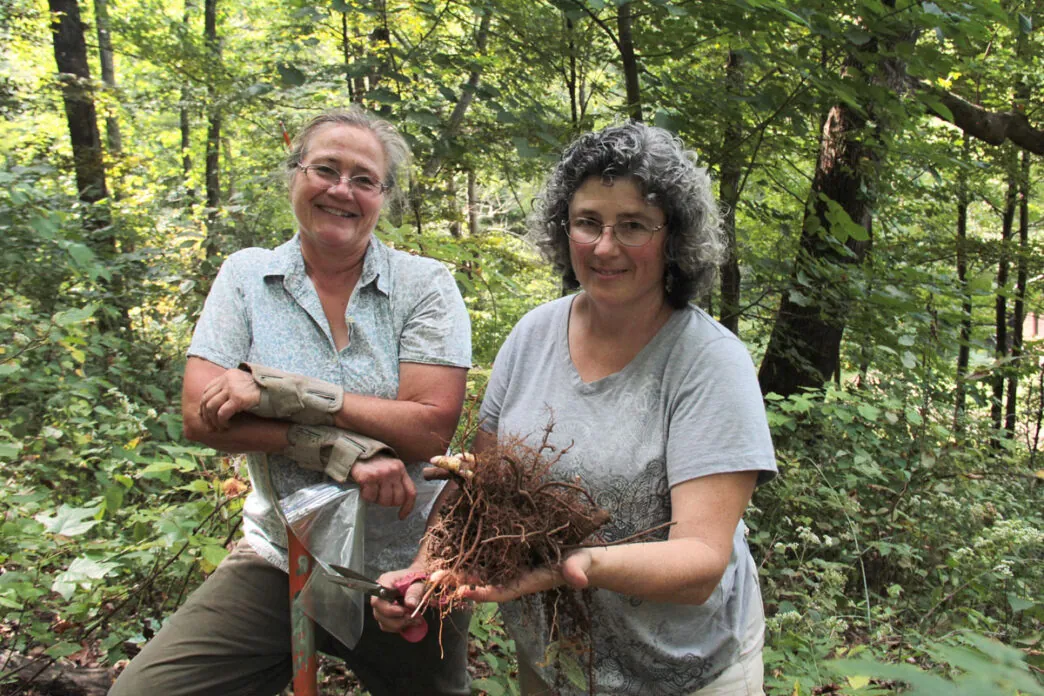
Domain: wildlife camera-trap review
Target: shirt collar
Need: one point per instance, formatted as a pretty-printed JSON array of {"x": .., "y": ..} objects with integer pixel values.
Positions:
[{"x": 286, "y": 261}]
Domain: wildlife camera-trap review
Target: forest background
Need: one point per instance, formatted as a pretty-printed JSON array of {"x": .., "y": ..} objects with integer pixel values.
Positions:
[{"x": 879, "y": 161}]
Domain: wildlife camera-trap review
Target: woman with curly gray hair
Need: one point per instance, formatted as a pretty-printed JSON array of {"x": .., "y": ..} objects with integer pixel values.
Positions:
[{"x": 656, "y": 411}]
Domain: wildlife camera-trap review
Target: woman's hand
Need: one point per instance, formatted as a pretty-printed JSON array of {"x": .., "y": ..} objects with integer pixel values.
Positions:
[
  {"x": 573, "y": 572},
  {"x": 230, "y": 393},
  {"x": 394, "y": 617},
  {"x": 383, "y": 480}
]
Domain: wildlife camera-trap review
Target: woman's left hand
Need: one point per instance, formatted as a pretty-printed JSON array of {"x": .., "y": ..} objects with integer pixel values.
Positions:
[
  {"x": 573, "y": 572},
  {"x": 225, "y": 396}
]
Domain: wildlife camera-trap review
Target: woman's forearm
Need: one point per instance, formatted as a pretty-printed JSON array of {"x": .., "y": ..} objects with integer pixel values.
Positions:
[{"x": 682, "y": 571}]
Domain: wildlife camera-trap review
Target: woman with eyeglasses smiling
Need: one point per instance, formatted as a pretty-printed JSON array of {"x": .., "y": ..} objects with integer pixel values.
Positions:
[
  {"x": 331, "y": 359},
  {"x": 657, "y": 412}
]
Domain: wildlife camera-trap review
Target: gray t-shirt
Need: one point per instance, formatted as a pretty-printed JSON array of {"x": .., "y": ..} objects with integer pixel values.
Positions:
[
  {"x": 686, "y": 406},
  {"x": 263, "y": 308}
]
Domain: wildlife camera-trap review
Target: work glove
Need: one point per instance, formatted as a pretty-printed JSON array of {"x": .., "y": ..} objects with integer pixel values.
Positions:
[
  {"x": 296, "y": 398},
  {"x": 331, "y": 450}
]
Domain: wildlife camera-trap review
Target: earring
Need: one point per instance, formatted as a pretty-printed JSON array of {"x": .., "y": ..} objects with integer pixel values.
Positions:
[{"x": 668, "y": 281}]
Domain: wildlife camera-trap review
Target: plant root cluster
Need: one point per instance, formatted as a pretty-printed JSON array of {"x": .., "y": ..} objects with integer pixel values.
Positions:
[{"x": 506, "y": 517}]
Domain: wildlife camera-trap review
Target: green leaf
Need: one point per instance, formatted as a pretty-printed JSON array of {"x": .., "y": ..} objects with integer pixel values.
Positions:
[
  {"x": 936, "y": 105},
  {"x": 858, "y": 37},
  {"x": 1018, "y": 604},
  {"x": 63, "y": 649},
  {"x": 74, "y": 316},
  {"x": 81, "y": 570},
  {"x": 909, "y": 360},
  {"x": 214, "y": 554},
  {"x": 491, "y": 687},
  {"x": 81, "y": 254},
  {"x": 383, "y": 95},
  {"x": 69, "y": 521},
  {"x": 869, "y": 412},
  {"x": 1025, "y": 24},
  {"x": 290, "y": 76},
  {"x": 10, "y": 450}
]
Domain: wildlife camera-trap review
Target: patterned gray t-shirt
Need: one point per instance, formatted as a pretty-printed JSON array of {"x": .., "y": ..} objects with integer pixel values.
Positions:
[
  {"x": 263, "y": 308},
  {"x": 686, "y": 406}
]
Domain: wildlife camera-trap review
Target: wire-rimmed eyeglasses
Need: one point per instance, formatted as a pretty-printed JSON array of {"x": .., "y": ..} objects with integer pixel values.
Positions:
[
  {"x": 326, "y": 175},
  {"x": 629, "y": 233}
]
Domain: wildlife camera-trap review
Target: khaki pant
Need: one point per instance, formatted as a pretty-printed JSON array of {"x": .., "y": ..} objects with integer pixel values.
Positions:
[{"x": 232, "y": 638}]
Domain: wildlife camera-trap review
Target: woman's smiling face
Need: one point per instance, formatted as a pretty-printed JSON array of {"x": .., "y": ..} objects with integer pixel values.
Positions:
[
  {"x": 610, "y": 273},
  {"x": 337, "y": 218}
]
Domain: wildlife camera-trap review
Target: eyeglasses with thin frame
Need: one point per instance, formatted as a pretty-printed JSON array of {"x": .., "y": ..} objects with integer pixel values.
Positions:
[
  {"x": 325, "y": 175},
  {"x": 629, "y": 233}
]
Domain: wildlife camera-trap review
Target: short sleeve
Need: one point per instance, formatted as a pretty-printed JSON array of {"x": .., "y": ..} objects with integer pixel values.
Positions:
[
  {"x": 438, "y": 330},
  {"x": 717, "y": 421},
  {"x": 222, "y": 333},
  {"x": 497, "y": 386}
]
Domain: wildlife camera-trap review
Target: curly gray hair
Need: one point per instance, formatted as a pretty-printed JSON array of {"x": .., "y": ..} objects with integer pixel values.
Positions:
[
  {"x": 396, "y": 151},
  {"x": 667, "y": 176}
]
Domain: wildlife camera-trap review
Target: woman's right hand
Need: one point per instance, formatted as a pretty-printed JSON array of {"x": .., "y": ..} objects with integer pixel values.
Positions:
[
  {"x": 226, "y": 395},
  {"x": 394, "y": 617},
  {"x": 383, "y": 480}
]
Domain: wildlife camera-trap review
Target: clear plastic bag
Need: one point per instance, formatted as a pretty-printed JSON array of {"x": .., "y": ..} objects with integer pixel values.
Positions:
[{"x": 329, "y": 519}]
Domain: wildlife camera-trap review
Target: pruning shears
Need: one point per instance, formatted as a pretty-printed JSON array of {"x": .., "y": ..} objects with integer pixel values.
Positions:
[{"x": 356, "y": 581}]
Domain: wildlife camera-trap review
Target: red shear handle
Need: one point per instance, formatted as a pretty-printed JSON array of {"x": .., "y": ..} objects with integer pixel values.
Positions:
[{"x": 416, "y": 632}]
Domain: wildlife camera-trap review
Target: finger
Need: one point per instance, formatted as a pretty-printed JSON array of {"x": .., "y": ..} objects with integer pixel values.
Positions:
[
  {"x": 434, "y": 473},
  {"x": 386, "y": 494},
  {"x": 409, "y": 496},
  {"x": 368, "y": 491}
]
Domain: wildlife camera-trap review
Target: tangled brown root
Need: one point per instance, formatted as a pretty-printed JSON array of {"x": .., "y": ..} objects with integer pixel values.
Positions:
[{"x": 508, "y": 515}]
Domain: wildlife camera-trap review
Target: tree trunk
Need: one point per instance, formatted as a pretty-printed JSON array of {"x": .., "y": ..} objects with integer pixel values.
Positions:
[
  {"x": 964, "y": 342},
  {"x": 70, "y": 53},
  {"x": 184, "y": 115},
  {"x": 571, "y": 76},
  {"x": 1021, "y": 280},
  {"x": 731, "y": 168},
  {"x": 213, "y": 155},
  {"x": 112, "y": 126},
  {"x": 1001, "y": 302},
  {"x": 804, "y": 348},
  {"x": 451, "y": 193},
  {"x": 473, "y": 205},
  {"x": 630, "y": 62},
  {"x": 467, "y": 94}
]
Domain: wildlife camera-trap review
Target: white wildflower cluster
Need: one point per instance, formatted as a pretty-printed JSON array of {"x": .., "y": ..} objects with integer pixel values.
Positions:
[
  {"x": 1003, "y": 569},
  {"x": 961, "y": 554},
  {"x": 783, "y": 620},
  {"x": 806, "y": 535},
  {"x": 1010, "y": 534}
]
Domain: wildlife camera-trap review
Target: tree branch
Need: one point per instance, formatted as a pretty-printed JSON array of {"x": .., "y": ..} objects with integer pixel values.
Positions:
[{"x": 989, "y": 126}]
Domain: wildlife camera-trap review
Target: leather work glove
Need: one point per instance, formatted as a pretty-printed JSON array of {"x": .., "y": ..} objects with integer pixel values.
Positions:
[
  {"x": 299, "y": 399},
  {"x": 331, "y": 450}
]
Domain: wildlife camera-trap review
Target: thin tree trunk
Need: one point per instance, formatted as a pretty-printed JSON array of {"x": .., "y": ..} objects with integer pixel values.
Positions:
[
  {"x": 571, "y": 77},
  {"x": 70, "y": 53},
  {"x": 630, "y": 61},
  {"x": 451, "y": 193},
  {"x": 473, "y": 205},
  {"x": 1021, "y": 280},
  {"x": 112, "y": 126},
  {"x": 213, "y": 154},
  {"x": 1001, "y": 301},
  {"x": 185, "y": 118},
  {"x": 964, "y": 342},
  {"x": 731, "y": 169},
  {"x": 467, "y": 94}
]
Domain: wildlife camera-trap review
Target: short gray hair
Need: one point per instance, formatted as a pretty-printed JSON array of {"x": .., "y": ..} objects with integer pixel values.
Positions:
[
  {"x": 396, "y": 151},
  {"x": 667, "y": 176}
]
